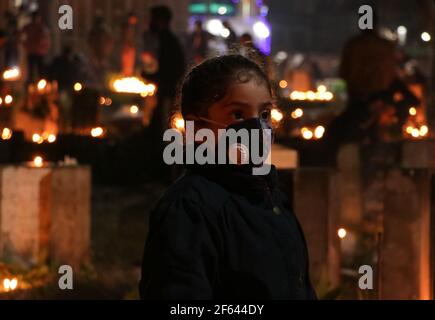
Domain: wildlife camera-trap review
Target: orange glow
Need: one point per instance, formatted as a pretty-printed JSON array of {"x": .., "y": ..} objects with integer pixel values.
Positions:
[
  {"x": 6, "y": 134},
  {"x": 415, "y": 133},
  {"x": 51, "y": 138},
  {"x": 38, "y": 161},
  {"x": 97, "y": 132},
  {"x": 328, "y": 96},
  {"x": 424, "y": 130},
  {"x": 134, "y": 109},
  {"x": 283, "y": 84},
  {"x": 42, "y": 84},
  {"x": 319, "y": 132},
  {"x": 412, "y": 111},
  {"x": 320, "y": 95},
  {"x": 133, "y": 85},
  {"x": 276, "y": 115},
  {"x": 8, "y": 99},
  {"x": 78, "y": 86},
  {"x": 342, "y": 233},
  {"x": 178, "y": 122},
  {"x": 37, "y": 138},
  {"x": 307, "y": 134},
  {"x": 11, "y": 74},
  {"x": 298, "y": 113},
  {"x": 311, "y": 95},
  {"x": 321, "y": 89}
]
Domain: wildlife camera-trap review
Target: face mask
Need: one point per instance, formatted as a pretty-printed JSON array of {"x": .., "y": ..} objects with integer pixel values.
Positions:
[{"x": 254, "y": 146}]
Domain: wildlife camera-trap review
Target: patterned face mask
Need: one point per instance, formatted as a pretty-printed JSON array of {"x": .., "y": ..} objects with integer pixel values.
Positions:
[{"x": 252, "y": 145}]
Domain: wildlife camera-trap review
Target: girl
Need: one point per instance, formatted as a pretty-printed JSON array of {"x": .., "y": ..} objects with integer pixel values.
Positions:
[{"x": 221, "y": 232}]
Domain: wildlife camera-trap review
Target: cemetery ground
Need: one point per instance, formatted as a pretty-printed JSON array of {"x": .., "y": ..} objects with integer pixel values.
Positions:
[{"x": 118, "y": 234}]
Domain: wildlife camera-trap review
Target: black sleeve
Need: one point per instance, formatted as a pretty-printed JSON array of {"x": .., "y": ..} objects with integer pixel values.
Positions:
[{"x": 180, "y": 258}]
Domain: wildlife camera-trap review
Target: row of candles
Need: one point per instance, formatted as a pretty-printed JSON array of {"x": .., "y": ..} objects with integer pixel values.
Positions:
[
  {"x": 133, "y": 85},
  {"x": 305, "y": 132},
  {"x": 123, "y": 84},
  {"x": 277, "y": 116},
  {"x": 416, "y": 131},
  {"x": 38, "y": 161},
  {"x": 6, "y": 134},
  {"x": 322, "y": 93}
]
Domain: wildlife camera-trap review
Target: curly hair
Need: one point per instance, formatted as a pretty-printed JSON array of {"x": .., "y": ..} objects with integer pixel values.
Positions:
[{"x": 209, "y": 81}]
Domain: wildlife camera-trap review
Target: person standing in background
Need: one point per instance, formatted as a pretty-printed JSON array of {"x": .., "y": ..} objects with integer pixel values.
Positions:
[
  {"x": 198, "y": 41},
  {"x": 232, "y": 39},
  {"x": 11, "y": 52},
  {"x": 2, "y": 49},
  {"x": 164, "y": 64},
  {"x": 128, "y": 46},
  {"x": 101, "y": 43},
  {"x": 37, "y": 43},
  {"x": 163, "y": 47},
  {"x": 368, "y": 66}
]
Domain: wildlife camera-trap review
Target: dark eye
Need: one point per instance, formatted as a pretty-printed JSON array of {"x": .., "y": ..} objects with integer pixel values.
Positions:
[
  {"x": 238, "y": 115},
  {"x": 265, "y": 114}
]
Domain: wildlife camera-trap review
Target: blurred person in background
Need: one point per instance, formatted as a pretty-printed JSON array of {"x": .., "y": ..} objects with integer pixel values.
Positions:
[
  {"x": 164, "y": 64},
  {"x": 37, "y": 44},
  {"x": 198, "y": 42},
  {"x": 248, "y": 48},
  {"x": 11, "y": 52},
  {"x": 128, "y": 46},
  {"x": 162, "y": 47},
  {"x": 101, "y": 44},
  {"x": 368, "y": 66},
  {"x": 232, "y": 39},
  {"x": 68, "y": 68},
  {"x": 3, "y": 40}
]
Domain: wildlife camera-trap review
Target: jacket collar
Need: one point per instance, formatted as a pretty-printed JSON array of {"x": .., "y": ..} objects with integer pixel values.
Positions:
[{"x": 238, "y": 179}]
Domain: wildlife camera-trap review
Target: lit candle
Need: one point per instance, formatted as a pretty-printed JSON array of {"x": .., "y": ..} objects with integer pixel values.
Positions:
[
  {"x": 134, "y": 109},
  {"x": 342, "y": 233},
  {"x": 97, "y": 132},
  {"x": 42, "y": 84},
  {"x": 78, "y": 86},
  {"x": 6, "y": 134},
  {"x": 38, "y": 162}
]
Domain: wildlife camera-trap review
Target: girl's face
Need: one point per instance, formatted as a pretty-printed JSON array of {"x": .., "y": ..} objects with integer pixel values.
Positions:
[{"x": 242, "y": 101}]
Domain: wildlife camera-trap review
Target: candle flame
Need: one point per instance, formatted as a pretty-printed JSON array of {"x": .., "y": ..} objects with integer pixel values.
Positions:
[
  {"x": 133, "y": 85},
  {"x": 38, "y": 162},
  {"x": 342, "y": 233},
  {"x": 276, "y": 115},
  {"x": 11, "y": 74},
  {"x": 97, "y": 132},
  {"x": 41, "y": 84},
  {"x": 6, "y": 134}
]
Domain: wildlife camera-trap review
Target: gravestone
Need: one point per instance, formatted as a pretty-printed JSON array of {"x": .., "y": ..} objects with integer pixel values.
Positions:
[
  {"x": 45, "y": 215},
  {"x": 316, "y": 205},
  {"x": 405, "y": 252}
]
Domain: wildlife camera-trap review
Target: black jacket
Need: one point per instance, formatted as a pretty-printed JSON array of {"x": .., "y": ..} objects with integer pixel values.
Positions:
[{"x": 220, "y": 233}]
